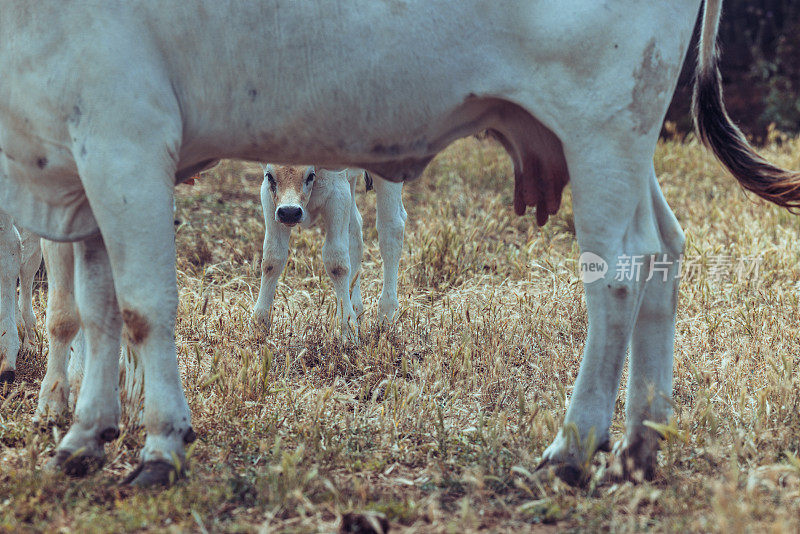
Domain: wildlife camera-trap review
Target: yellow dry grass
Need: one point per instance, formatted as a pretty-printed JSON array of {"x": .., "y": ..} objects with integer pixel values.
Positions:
[{"x": 437, "y": 421}]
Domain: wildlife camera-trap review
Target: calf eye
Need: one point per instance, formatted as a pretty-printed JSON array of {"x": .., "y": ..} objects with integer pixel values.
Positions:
[
  {"x": 271, "y": 180},
  {"x": 310, "y": 178}
]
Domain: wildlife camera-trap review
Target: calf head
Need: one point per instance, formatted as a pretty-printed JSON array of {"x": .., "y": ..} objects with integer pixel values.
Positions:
[{"x": 290, "y": 188}]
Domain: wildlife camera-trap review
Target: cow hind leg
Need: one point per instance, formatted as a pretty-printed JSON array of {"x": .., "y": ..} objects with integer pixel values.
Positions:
[
  {"x": 616, "y": 226},
  {"x": 10, "y": 252},
  {"x": 97, "y": 408},
  {"x": 356, "y": 254},
  {"x": 31, "y": 260},
  {"x": 62, "y": 323},
  {"x": 390, "y": 221},
  {"x": 649, "y": 390}
]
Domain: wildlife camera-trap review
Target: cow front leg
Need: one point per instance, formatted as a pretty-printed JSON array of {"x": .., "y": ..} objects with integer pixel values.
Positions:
[
  {"x": 273, "y": 261},
  {"x": 10, "y": 252},
  {"x": 336, "y": 258},
  {"x": 96, "y": 420},
  {"x": 31, "y": 260},
  {"x": 142, "y": 251},
  {"x": 62, "y": 323},
  {"x": 390, "y": 221}
]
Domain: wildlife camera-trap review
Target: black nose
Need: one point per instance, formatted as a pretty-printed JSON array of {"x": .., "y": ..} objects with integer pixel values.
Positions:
[{"x": 290, "y": 214}]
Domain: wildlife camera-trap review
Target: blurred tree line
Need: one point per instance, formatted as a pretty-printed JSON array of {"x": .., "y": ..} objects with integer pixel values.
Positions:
[{"x": 760, "y": 42}]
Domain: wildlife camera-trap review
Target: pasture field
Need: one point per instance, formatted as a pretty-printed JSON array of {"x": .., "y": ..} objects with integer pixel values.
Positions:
[{"x": 438, "y": 421}]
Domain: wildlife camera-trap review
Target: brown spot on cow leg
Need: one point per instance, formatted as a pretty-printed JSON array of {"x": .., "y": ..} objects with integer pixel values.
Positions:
[{"x": 136, "y": 327}]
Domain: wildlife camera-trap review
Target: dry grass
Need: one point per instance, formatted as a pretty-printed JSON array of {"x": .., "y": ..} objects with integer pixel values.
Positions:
[{"x": 437, "y": 421}]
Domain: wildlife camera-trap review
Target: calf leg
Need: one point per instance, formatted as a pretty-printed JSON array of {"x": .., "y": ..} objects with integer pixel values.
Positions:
[
  {"x": 10, "y": 251},
  {"x": 273, "y": 260},
  {"x": 356, "y": 253},
  {"x": 336, "y": 257},
  {"x": 390, "y": 221},
  {"x": 62, "y": 324},
  {"x": 31, "y": 260}
]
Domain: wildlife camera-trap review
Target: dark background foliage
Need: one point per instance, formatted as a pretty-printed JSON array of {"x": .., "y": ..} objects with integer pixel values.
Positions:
[{"x": 760, "y": 43}]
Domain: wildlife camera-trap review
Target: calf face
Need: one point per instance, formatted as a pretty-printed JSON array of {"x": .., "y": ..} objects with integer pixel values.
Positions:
[{"x": 290, "y": 188}]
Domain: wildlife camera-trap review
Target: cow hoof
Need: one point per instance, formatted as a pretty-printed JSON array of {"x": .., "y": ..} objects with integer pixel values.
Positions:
[
  {"x": 109, "y": 434},
  {"x": 634, "y": 461},
  {"x": 74, "y": 464},
  {"x": 190, "y": 436},
  {"x": 7, "y": 377},
  {"x": 568, "y": 473},
  {"x": 152, "y": 473}
]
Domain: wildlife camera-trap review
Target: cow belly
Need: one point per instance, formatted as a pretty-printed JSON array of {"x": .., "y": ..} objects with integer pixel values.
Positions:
[{"x": 57, "y": 211}]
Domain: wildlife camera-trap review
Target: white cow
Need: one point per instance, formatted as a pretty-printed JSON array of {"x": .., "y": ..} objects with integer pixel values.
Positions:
[
  {"x": 20, "y": 258},
  {"x": 104, "y": 106},
  {"x": 305, "y": 195}
]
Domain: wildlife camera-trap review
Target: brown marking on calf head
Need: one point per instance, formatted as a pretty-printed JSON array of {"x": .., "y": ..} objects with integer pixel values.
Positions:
[
  {"x": 136, "y": 327},
  {"x": 289, "y": 183}
]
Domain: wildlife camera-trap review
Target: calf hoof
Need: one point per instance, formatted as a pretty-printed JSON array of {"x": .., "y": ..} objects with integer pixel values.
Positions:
[
  {"x": 153, "y": 473},
  {"x": 568, "y": 473},
  {"x": 260, "y": 321},
  {"x": 73, "y": 463},
  {"x": 7, "y": 377},
  {"x": 387, "y": 309}
]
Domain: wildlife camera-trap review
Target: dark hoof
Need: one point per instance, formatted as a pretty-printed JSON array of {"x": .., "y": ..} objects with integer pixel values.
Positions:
[
  {"x": 109, "y": 434},
  {"x": 152, "y": 473},
  {"x": 74, "y": 464},
  {"x": 570, "y": 474},
  {"x": 190, "y": 436},
  {"x": 368, "y": 523},
  {"x": 7, "y": 377}
]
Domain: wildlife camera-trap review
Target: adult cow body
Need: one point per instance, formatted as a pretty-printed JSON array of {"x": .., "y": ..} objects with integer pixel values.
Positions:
[{"x": 105, "y": 105}]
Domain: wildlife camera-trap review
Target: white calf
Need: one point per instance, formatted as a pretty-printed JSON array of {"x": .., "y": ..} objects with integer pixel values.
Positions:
[
  {"x": 305, "y": 195},
  {"x": 20, "y": 257}
]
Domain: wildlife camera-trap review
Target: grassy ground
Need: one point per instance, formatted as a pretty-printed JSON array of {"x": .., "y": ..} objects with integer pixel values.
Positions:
[{"x": 437, "y": 421}]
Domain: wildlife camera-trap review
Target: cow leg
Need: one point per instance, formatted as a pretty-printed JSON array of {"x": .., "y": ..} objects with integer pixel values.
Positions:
[
  {"x": 273, "y": 260},
  {"x": 62, "y": 325},
  {"x": 10, "y": 252},
  {"x": 356, "y": 253},
  {"x": 336, "y": 257},
  {"x": 614, "y": 221},
  {"x": 97, "y": 408},
  {"x": 31, "y": 260},
  {"x": 650, "y": 370},
  {"x": 390, "y": 221}
]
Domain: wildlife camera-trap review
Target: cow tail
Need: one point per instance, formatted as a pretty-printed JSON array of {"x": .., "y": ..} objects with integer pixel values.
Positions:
[
  {"x": 367, "y": 181},
  {"x": 718, "y": 132}
]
